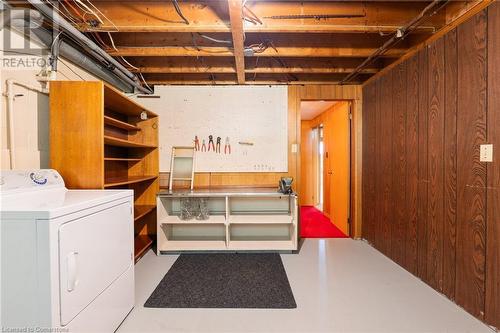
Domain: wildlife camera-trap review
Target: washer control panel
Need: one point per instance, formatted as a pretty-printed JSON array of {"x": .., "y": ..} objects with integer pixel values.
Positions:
[{"x": 13, "y": 181}]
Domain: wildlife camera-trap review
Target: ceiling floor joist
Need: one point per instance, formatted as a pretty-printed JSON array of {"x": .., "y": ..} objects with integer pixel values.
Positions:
[
  {"x": 236, "y": 17},
  {"x": 328, "y": 52},
  {"x": 212, "y": 16}
]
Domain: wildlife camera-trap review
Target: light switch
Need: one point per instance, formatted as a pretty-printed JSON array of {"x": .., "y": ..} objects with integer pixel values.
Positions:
[
  {"x": 486, "y": 153},
  {"x": 295, "y": 148}
]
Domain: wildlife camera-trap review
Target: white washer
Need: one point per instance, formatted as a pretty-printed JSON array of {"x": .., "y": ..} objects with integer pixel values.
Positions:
[{"x": 67, "y": 256}]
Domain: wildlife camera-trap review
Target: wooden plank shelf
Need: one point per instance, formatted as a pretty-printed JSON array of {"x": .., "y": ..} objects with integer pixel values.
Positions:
[
  {"x": 112, "y": 141},
  {"x": 142, "y": 210},
  {"x": 120, "y": 124},
  {"x": 122, "y": 159},
  {"x": 118, "y": 181},
  {"x": 117, "y": 102},
  {"x": 142, "y": 243}
]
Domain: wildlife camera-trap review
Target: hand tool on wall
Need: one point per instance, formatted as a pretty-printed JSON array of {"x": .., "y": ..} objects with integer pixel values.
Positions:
[
  {"x": 211, "y": 142},
  {"x": 227, "y": 146},
  {"x": 217, "y": 145},
  {"x": 203, "y": 146},
  {"x": 196, "y": 143}
]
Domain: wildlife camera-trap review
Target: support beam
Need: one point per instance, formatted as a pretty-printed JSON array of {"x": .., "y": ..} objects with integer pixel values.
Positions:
[
  {"x": 236, "y": 18},
  {"x": 328, "y": 52},
  {"x": 259, "y": 70},
  {"x": 211, "y": 16},
  {"x": 229, "y": 82}
]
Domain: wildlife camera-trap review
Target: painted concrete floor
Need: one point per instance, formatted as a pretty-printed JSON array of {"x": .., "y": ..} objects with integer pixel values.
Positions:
[{"x": 340, "y": 285}]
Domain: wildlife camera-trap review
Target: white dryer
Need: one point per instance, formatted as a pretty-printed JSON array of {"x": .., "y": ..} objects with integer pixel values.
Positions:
[{"x": 67, "y": 256}]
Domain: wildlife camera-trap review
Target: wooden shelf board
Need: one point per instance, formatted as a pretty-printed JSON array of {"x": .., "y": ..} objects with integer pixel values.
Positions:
[
  {"x": 112, "y": 141},
  {"x": 142, "y": 243},
  {"x": 120, "y": 124},
  {"x": 118, "y": 102},
  {"x": 142, "y": 210},
  {"x": 261, "y": 245},
  {"x": 194, "y": 245},
  {"x": 214, "y": 219},
  {"x": 117, "y": 181},
  {"x": 260, "y": 219},
  {"x": 122, "y": 159}
]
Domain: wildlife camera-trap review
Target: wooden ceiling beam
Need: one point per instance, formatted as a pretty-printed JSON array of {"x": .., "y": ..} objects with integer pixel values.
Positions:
[
  {"x": 328, "y": 52},
  {"x": 277, "y": 39},
  {"x": 210, "y": 16},
  {"x": 260, "y": 70},
  {"x": 231, "y": 82},
  {"x": 221, "y": 65},
  {"x": 236, "y": 18},
  {"x": 284, "y": 78}
]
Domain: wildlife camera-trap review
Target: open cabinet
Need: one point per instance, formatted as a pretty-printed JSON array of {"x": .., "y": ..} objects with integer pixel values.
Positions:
[{"x": 101, "y": 139}]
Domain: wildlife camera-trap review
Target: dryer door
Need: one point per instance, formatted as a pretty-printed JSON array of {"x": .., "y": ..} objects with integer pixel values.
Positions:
[{"x": 93, "y": 252}]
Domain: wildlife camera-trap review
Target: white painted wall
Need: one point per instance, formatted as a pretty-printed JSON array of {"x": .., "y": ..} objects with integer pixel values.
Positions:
[
  {"x": 244, "y": 114},
  {"x": 31, "y": 109}
]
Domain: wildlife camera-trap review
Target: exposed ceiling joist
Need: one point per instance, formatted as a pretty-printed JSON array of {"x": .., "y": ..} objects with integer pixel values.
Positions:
[
  {"x": 232, "y": 82},
  {"x": 236, "y": 17},
  {"x": 210, "y": 16},
  {"x": 328, "y": 52},
  {"x": 260, "y": 70}
]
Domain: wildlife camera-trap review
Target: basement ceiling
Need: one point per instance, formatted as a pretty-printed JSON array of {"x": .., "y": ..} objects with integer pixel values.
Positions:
[{"x": 256, "y": 42}]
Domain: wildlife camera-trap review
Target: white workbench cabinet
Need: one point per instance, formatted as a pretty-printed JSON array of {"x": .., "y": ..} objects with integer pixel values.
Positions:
[{"x": 239, "y": 220}]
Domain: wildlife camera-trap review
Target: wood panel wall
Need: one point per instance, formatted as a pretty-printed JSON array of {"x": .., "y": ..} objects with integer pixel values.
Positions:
[{"x": 428, "y": 202}]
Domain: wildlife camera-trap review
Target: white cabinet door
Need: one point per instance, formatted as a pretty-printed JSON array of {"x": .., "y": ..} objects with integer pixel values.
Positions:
[{"x": 93, "y": 252}]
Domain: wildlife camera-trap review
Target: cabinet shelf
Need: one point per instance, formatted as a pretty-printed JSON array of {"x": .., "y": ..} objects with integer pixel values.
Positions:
[
  {"x": 122, "y": 159},
  {"x": 142, "y": 210},
  {"x": 142, "y": 243},
  {"x": 117, "y": 181},
  {"x": 120, "y": 124},
  {"x": 112, "y": 141},
  {"x": 260, "y": 219},
  {"x": 213, "y": 219}
]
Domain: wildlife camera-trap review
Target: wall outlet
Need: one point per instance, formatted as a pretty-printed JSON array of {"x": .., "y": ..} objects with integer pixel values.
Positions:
[
  {"x": 295, "y": 148},
  {"x": 486, "y": 153}
]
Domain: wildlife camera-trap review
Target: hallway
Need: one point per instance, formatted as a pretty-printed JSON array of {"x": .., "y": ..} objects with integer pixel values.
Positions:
[{"x": 314, "y": 224}]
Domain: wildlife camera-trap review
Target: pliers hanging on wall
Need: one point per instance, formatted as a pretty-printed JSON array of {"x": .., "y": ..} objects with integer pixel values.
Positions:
[
  {"x": 203, "y": 146},
  {"x": 217, "y": 145},
  {"x": 211, "y": 142},
  {"x": 227, "y": 146},
  {"x": 196, "y": 143}
]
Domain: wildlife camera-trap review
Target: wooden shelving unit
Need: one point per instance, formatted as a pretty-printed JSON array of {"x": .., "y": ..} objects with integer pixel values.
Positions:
[{"x": 99, "y": 141}]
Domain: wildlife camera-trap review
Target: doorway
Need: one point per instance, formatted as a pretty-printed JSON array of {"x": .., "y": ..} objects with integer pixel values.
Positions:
[{"x": 325, "y": 168}]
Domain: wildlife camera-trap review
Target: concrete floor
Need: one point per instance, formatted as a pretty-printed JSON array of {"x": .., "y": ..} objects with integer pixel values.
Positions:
[{"x": 340, "y": 285}]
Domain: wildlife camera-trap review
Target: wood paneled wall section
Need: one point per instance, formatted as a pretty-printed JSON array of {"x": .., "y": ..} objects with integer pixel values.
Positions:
[{"x": 428, "y": 202}]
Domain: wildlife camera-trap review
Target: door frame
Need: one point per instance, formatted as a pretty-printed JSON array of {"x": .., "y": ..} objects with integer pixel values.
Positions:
[{"x": 351, "y": 94}]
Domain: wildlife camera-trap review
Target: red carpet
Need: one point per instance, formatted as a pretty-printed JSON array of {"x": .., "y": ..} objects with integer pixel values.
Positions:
[{"x": 314, "y": 224}]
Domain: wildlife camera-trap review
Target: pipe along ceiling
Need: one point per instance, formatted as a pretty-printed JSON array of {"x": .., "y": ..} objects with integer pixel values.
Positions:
[{"x": 72, "y": 45}]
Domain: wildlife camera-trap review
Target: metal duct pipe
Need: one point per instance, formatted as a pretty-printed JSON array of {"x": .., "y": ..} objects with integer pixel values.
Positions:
[
  {"x": 86, "y": 43},
  {"x": 73, "y": 54}
]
